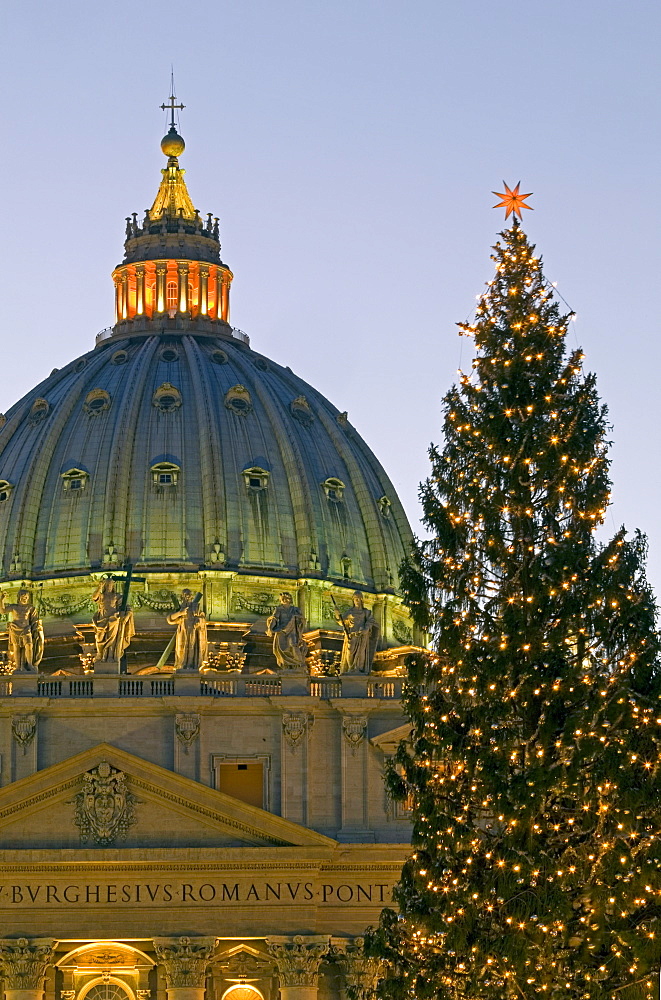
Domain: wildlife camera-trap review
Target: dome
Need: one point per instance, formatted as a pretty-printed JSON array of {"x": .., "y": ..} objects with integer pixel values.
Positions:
[
  {"x": 174, "y": 456},
  {"x": 177, "y": 452}
]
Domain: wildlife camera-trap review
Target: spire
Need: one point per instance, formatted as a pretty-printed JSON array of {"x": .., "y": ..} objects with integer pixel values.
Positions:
[{"x": 172, "y": 199}]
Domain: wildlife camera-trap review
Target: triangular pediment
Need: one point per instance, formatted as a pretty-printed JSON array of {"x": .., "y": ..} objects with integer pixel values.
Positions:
[
  {"x": 390, "y": 740},
  {"x": 107, "y": 797}
]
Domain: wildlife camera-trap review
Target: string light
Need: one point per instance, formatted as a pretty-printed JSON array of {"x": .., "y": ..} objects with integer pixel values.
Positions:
[{"x": 533, "y": 765}]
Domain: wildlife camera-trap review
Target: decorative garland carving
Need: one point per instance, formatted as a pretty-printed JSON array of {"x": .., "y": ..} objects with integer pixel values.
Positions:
[
  {"x": 259, "y": 604},
  {"x": 164, "y": 601},
  {"x": 295, "y": 728},
  {"x": 23, "y": 729},
  {"x": 354, "y": 728},
  {"x": 65, "y": 605},
  {"x": 105, "y": 806},
  {"x": 187, "y": 728}
]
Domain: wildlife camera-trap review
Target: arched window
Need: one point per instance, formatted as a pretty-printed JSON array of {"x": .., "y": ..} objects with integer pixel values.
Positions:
[
  {"x": 107, "y": 991},
  {"x": 242, "y": 991},
  {"x": 171, "y": 297}
]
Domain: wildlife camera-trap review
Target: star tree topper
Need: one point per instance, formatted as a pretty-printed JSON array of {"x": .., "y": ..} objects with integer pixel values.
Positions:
[{"x": 512, "y": 201}]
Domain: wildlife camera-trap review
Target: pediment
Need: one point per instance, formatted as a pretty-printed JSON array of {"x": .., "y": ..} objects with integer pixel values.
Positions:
[
  {"x": 390, "y": 740},
  {"x": 108, "y": 798}
]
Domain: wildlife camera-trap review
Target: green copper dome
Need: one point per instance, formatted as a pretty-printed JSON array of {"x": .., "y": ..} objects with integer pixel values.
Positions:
[
  {"x": 176, "y": 452},
  {"x": 175, "y": 448}
]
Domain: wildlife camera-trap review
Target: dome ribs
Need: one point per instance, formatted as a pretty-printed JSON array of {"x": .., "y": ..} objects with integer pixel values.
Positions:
[
  {"x": 212, "y": 485},
  {"x": 117, "y": 488},
  {"x": 28, "y": 507}
]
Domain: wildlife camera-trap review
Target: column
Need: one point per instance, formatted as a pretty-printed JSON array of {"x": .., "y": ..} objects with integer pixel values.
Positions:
[
  {"x": 125, "y": 294},
  {"x": 203, "y": 272},
  {"x": 118, "y": 300},
  {"x": 359, "y": 972},
  {"x": 355, "y": 789},
  {"x": 185, "y": 961},
  {"x": 298, "y": 959},
  {"x": 224, "y": 300},
  {"x": 182, "y": 272},
  {"x": 139, "y": 289},
  {"x": 24, "y": 963},
  {"x": 161, "y": 270}
]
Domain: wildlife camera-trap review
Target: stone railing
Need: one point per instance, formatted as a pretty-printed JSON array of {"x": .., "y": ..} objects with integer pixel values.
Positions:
[{"x": 29, "y": 685}]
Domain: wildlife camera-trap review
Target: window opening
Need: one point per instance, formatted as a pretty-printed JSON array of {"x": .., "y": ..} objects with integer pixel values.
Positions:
[{"x": 171, "y": 295}]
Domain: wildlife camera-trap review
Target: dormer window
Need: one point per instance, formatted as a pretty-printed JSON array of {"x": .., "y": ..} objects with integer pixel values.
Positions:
[
  {"x": 5, "y": 490},
  {"x": 39, "y": 411},
  {"x": 74, "y": 480},
  {"x": 165, "y": 474},
  {"x": 256, "y": 478},
  {"x": 96, "y": 401},
  {"x": 334, "y": 489},
  {"x": 167, "y": 398},
  {"x": 238, "y": 399},
  {"x": 384, "y": 506},
  {"x": 300, "y": 408}
]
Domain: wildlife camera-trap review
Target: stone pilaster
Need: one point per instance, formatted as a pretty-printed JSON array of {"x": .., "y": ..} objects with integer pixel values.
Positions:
[
  {"x": 355, "y": 791},
  {"x": 358, "y": 971},
  {"x": 185, "y": 961},
  {"x": 298, "y": 959},
  {"x": 23, "y": 963}
]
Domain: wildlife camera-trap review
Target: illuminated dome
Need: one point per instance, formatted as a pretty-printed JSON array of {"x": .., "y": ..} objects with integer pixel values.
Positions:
[{"x": 175, "y": 447}]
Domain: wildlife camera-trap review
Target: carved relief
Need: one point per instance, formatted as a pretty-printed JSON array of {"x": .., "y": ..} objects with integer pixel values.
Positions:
[
  {"x": 260, "y": 603},
  {"x": 23, "y": 729},
  {"x": 295, "y": 727},
  {"x": 104, "y": 806},
  {"x": 185, "y": 960},
  {"x": 354, "y": 728},
  {"x": 298, "y": 958},
  {"x": 24, "y": 962},
  {"x": 187, "y": 728}
]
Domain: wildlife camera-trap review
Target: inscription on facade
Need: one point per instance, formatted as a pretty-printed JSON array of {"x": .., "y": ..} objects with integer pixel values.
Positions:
[{"x": 194, "y": 893}]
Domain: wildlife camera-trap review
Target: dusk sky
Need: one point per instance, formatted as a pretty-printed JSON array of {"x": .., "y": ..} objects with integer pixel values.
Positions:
[{"x": 350, "y": 149}]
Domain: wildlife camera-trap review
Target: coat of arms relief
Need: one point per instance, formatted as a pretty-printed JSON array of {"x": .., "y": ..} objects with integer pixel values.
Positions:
[{"x": 104, "y": 805}]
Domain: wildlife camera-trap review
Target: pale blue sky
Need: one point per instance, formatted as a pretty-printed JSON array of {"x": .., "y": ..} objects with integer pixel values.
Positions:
[{"x": 350, "y": 149}]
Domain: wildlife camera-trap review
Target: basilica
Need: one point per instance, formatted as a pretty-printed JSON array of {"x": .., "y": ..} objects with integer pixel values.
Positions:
[{"x": 202, "y": 648}]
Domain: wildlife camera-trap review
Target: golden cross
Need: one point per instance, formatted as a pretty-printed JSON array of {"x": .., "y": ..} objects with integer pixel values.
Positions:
[{"x": 172, "y": 107}]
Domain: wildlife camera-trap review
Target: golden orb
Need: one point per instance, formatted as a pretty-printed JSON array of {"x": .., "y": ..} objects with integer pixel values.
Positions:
[{"x": 172, "y": 144}]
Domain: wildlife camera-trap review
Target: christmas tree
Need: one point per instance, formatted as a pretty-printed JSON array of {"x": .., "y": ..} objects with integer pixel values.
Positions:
[{"x": 533, "y": 763}]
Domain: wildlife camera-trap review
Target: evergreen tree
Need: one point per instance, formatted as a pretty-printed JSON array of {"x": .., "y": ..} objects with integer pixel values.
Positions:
[{"x": 533, "y": 763}]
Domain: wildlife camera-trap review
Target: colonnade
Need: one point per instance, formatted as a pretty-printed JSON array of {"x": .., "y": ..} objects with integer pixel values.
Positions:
[
  {"x": 186, "y": 963},
  {"x": 199, "y": 289}
]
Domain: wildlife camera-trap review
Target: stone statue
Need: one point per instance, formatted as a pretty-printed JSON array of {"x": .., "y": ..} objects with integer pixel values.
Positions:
[
  {"x": 190, "y": 645},
  {"x": 26, "y": 633},
  {"x": 361, "y": 634},
  {"x": 286, "y": 625},
  {"x": 113, "y": 628}
]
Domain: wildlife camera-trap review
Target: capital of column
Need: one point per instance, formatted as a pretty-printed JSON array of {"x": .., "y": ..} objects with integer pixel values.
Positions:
[
  {"x": 359, "y": 971},
  {"x": 24, "y": 961},
  {"x": 185, "y": 960},
  {"x": 298, "y": 958}
]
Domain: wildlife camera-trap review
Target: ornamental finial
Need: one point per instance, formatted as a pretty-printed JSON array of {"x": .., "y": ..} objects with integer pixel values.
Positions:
[{"x": 172, "y": 144}]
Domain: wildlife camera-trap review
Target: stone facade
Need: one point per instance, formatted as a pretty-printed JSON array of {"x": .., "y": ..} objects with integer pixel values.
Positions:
[{"x": 194, "y": 728}]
